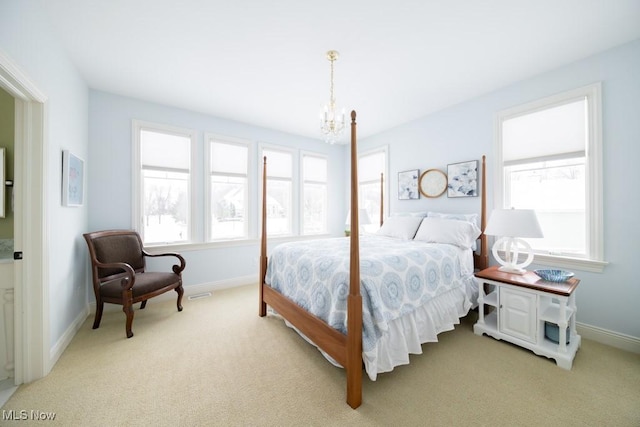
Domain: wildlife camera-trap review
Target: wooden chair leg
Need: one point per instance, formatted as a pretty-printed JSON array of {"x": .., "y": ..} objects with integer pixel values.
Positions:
[
  {"x": 98, "y": 318},
  {"x": 128, "y": 311},
  {"x": 180, "y": 292}
]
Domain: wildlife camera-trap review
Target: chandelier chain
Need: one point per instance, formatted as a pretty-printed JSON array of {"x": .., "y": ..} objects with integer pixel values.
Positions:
[{"x": 331, "y": 92}]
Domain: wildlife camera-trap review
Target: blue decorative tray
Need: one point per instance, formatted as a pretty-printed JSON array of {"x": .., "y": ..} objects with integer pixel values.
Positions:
[{"x": 554, "y": 275}]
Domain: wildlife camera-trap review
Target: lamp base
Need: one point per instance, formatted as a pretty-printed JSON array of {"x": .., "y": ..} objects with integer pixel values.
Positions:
[
  {"x": 512, "y": 269},
  {"x": 512, "y": 250}
]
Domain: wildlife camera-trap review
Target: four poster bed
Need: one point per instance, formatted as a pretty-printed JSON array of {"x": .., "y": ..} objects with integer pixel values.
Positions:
[{"x": 414, "y": 285}]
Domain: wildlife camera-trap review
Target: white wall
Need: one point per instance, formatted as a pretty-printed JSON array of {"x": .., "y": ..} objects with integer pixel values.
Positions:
[
  {"x": 110, "y": 133},
  {"x": 26, "y": 37},
  {"x": 466, "y": 131}
]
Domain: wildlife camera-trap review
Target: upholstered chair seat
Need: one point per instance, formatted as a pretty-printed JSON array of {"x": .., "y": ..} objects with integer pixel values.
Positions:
[{"x": 145, "y": 284}]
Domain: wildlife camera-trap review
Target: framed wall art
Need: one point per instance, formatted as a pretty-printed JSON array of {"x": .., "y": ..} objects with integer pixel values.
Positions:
[
  {"x": 72, "y": 179},
  {"x": 433, "y": 183},
  {"x": 408, "y": 185},
  {"x": 462, "y": 179}
]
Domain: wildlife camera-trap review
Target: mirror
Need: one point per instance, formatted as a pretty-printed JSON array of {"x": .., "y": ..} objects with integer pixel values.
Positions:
[{"x": 2, "y": 183}]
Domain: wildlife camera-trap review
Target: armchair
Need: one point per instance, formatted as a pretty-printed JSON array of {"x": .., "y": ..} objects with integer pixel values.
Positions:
[{"x": 119, "y": 275}]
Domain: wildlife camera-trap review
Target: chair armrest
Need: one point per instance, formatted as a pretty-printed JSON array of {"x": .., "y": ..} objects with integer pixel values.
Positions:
[
  {"x": 176, "y": 268},
  {"x": 130, "y": 275}
]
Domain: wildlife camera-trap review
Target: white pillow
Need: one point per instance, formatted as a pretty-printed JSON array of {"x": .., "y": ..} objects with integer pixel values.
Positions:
[
  {"x": 451, "y": 231},
  {"x": 472, "y": 218},
  {"x": 417, "y": 214},
  {"x": 401, "y": 227}
]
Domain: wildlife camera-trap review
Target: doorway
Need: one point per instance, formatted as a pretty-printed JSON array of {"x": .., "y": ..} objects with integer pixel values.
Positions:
[
  {"x": 30, "y": 294},
  {"x": 7, "y": 315}
]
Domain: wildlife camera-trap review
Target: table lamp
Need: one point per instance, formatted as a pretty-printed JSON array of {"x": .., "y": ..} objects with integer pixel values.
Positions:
[
  {"x": 511, "y": 225},
  {"x": 363, "y": 219}
]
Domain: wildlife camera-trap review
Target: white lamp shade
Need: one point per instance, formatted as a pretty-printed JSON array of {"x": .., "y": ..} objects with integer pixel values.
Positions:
[
  {"x": 514, "y": 223},
  {"x": 363, "y": 217}
]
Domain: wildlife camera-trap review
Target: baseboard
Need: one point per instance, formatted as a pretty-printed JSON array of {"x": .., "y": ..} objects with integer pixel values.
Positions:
[
  {"x": 190, "y": 290},
  {"x": 613, "y": 339},
  {"x": 222, "y": 284},
  {"x": 60, "y": 346}
]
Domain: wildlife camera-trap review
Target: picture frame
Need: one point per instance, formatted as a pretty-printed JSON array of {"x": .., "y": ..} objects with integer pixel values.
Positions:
[
  {"x": 72, "y": 179},
  {"x": 408, "y": 185},
  {"x": 433, "y": 183},
  {"x": 462, "y": 179}
]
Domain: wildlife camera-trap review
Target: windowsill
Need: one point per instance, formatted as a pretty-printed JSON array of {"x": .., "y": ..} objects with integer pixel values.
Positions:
[
  {"x": 187, "y": 247},
  {"x": 570, "y": 263},
  {"x": 557, "y": 261}
]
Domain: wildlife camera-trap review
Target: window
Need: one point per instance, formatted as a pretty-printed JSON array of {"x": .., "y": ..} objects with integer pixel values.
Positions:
[
  {"x": 228, "y": 189},
  {"x": 162, "y": 183},
  {"x": 549, "y": 155},
  {"x": 370, "y": 166},
  {"x": 279, "y": 191},
  {"x": 178, "y": 200},
  {"x": 314, "y": 194}
]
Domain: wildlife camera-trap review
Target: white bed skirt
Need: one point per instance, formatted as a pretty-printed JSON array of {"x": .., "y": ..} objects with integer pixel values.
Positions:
[{"x": 406, "y": 334}]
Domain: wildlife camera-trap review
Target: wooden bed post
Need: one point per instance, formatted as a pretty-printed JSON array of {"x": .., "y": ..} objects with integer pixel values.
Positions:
[
  {"x": 481, "y": 261},
  {"x": 354, "y": 300},
  {"x": 262, "y": 310}
]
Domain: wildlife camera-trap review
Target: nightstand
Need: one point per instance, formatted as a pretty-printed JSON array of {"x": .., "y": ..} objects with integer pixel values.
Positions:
[{"x": 519, "y": 308}]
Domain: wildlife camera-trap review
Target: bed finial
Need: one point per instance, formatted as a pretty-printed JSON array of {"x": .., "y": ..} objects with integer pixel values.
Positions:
[{"x": 353, "y": 116}]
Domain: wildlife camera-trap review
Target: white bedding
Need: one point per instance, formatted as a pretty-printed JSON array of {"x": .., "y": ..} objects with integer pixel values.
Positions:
[{"x": 411, "y": 290}]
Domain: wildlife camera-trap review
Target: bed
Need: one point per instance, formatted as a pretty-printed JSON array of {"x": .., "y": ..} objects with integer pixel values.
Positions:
[{"x": 372, "y": 300}]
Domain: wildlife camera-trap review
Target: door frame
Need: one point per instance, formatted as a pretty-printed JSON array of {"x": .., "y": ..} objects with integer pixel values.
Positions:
[{"x": 31, "y": 292}]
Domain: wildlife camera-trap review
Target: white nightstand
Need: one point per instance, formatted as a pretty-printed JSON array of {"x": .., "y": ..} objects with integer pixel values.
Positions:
[{"x": 515, "y": 307}]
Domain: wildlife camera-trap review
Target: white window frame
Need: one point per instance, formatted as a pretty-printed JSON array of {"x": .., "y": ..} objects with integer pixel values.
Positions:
[
  {"x": 385, "y": 150},
  {"x": 211, "y": 137},
  {"x": 136, "y": 192},
  {"x": 594, "y": 260},
  {"x": 294, "y": 221},
  {"x": 304, "y": 154}
]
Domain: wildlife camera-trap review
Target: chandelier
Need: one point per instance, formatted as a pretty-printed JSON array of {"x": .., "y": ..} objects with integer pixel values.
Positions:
[{"x": 332, "y": 123}]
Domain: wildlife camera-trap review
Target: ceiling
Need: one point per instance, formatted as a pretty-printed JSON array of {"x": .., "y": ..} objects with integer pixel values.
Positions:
[{"x": 263, "y": 62}]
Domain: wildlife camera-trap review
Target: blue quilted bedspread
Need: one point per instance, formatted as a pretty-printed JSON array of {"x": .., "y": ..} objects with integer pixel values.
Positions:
[{"x": 396, "y": 276}]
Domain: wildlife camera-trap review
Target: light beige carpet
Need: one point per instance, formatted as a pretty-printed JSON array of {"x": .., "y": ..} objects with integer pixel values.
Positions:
[{"x": 218, "y": 363}]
